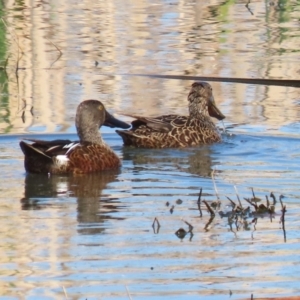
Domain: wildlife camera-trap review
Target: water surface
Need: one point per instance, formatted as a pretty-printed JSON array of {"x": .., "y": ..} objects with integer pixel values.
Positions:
[{"x": 92, "y": 236}]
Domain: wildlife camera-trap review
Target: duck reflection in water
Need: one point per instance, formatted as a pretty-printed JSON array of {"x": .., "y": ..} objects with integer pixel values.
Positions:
[
  {"x": 196, "y": 161},
  {"x": 93, "y": 208}
]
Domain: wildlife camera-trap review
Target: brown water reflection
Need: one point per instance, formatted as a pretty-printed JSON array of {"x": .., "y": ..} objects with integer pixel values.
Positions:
[
  {"x": 92, "y": 209},
  {"x": 93, "y": 235},
  {"x": 196, "y": 38},
  {"x": 193, "y": 161}
]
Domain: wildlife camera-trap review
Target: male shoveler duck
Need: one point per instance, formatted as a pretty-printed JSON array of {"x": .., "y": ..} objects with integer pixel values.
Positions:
[
  {"x": 174, "y": 131},
  {"x": 89, "y": 154}
]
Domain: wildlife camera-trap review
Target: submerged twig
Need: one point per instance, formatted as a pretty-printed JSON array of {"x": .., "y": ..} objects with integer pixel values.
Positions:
[
  {"x": 268, "y": 202},
  {"x": 59, "y": 55},
  {"x": 255, "y": 199},
  {"x": 65, "y": 292},
  {"x": 215, "y": 186},
  {"x": 280, "y": 199},
  {"x": 274, "y": 198},
  {"x": 190, "y": 226},
  {"x": 237, "y": 195},
  {"x": 199, "y": 202},
  {"x": 172, "y": 209},
  {"x": 23, "y": 117},
  {"x": 235, "y": 207},
  {"x": 254, "y": 221},
  {"x": 248, "y": 8},
  {"x": 155, "y": 222},
  {"x": 271, "y": 208},
  {"x": 282, "y": 219},
  {"x": 230, "y": 221},
  {"x": 128, "y": 294},
  {"x": 212, "y": 213},
  {"x": 209, "y": 222},
  {"x": 253, "y": 204}
]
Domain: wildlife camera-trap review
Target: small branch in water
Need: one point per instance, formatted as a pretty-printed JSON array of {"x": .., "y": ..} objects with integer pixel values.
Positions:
[
  {"x": 282, "y": 219},
  {"x": 215, "y": 186},
  {"x": 65, "y": 292},
  {"x": 59, "y": 55},
  {"x": 237, "y": 195},
  {"x": 248, "y": 8},
  {"x": 199, "y": 202},
  {"x": 280, "y": 199},
  {"x": 236, "y": 223},
  {"x": 268, "y": 202},
  {"x": 128, "y": 294},
  {"x": 274, "y": 198},
  {"x": 270, "y": 208},
  {"x": 23, "y": 116},
  {"x": 254, "y": 199},
  {"x": 235, "y": 206},
  {"x": 232, "y": 202},
  {"x": 283, "y": 222},
  {"x": 172, "y": 209},
  {"x": 209, "y": 222},
  {"x": 190, "y": 226},
  {"x": 254, "y": 221},
  {"x": 155, "y": 222},
  {"x": 253, "y": 204},
  {"x": 212, "y": 213}
]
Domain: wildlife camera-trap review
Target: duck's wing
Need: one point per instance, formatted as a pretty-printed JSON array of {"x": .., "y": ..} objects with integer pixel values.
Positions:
[
  {"x": 47, "y": 148},
  {"x": 163, "y": 123}
]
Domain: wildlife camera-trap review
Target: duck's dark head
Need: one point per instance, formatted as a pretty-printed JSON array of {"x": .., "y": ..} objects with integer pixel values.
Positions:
[{"x": 90, "y": 116}]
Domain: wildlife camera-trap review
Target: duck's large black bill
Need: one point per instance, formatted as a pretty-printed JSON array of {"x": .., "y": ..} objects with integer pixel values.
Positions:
[
  {"x": 215, "y": 112},
  {"x": 111, "y": 121}
]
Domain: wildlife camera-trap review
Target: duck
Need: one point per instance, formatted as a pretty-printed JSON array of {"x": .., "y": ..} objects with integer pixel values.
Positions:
[
  {"x": 177, "y": 131},
  {"x": 89, "y": 154}
]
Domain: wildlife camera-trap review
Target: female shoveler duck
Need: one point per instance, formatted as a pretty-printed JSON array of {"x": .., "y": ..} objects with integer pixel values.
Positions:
[
  {"x": 89, "y": 154},
  {"x": 176, "y": 131}
]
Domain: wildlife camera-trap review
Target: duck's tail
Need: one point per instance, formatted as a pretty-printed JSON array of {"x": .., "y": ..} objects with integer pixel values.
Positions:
[
  {"x": 36, "y": 161},
  {"x": 29, "y": 150}
]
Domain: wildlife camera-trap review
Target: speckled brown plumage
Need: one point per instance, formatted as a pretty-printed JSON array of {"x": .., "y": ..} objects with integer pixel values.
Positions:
[
  {"x": 89, "y": 154},
  {"x": 174, "y": 131}
]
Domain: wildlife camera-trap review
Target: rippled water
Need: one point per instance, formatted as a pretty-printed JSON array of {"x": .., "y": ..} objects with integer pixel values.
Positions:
[{"x": 94, "y": 236}]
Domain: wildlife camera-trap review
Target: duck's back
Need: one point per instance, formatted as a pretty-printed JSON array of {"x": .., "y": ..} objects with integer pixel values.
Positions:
[
  {"x": 170, "y": 131},
  {"x": 64, "y": 157}
]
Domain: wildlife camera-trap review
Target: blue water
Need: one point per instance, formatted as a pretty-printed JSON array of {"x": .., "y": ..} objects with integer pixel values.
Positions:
[{"x": 94, "y": 236}]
